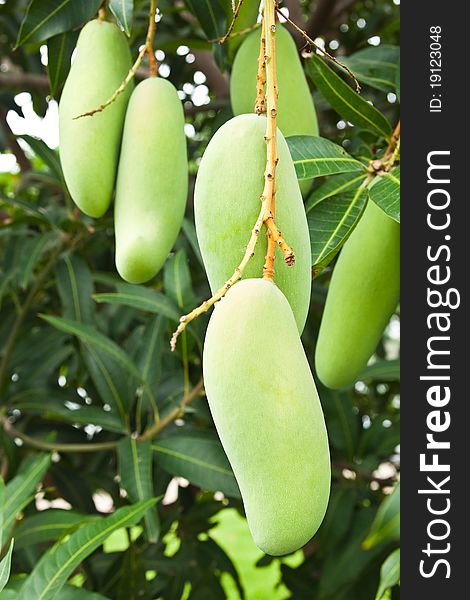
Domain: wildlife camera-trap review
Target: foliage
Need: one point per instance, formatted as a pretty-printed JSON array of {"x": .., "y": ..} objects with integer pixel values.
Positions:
[{"x": 86, "y": 360}]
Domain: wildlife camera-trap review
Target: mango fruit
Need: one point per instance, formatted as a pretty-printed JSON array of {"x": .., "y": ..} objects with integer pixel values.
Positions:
[
  {"x": 295, "y": 108},
  {"x": 268, "y": 415},
  {"x": 89, "y": 146},
  {"x": 227, "y": 194},
  {"x": 363, "y": 293},
  {"x": 152, "y": 181}
]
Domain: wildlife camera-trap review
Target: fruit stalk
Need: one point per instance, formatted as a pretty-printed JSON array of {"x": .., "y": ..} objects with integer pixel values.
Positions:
[
  {"x": 260, "y": 104},
  {"x": 147, "y": 49}
]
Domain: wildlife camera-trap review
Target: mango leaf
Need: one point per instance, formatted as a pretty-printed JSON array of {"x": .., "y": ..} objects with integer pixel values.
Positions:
[
  {"x": 55, "y": 566},
  {"x": 5, "y": 565},
  {"x": 382, "y": 370},
  {"x": 386, "y": 525},
  {"x": 123, "y": 10},
  {"x": 385, "y": 192},
  {"x": 33, "y": 251},
  {"x": 190, "y": 232},
  {"x": 211, "y": 17},
  {"x": 343, "y": 423},
  {"x": 345, "y": 100},
  {"x": 315, "y": 156},
  {"x": 21, "y": 489},
  {"x": 75, "y": 286},
  {"x": 376, "y": 66},
  {"x": 47, "y": 155},
  {"x": 57, "y": 407},
  {"x": 339, "y": 515},
  {"x": 141, "y": 298},
  {"x": 45, "y": 526},
  {"x": 135, "y": 470},
  {"x": 389, "y": 573},
  {"x": 177, "y": 280},
  {"x": 46, "y": 18},
  {"x": 337, "y": 184},
  {"x": 149, "y": 355},
  {"x": 200, "y": 459},
  {"x": 331, "y": 222},
  {"x": 59, "y": 56}
]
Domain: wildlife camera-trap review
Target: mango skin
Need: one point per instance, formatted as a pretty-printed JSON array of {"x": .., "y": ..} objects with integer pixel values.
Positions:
[
  {"x": 363, "y": 294},
  {"x": 227, "y": 194},
  {"x": 152, "y": 182},
  {"x": 89, "y": 147},
  {"x": 268, "y": 415}
]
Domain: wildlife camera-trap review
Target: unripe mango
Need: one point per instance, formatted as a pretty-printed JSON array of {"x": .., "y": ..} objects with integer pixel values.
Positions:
[
  {"x": 152, "y": 180},
  {"x": 89, "y": 146},
  {"x": 268, "y": 415},
  {"x": 227, "y": 194},
  {"x": 363, "y": 293}
]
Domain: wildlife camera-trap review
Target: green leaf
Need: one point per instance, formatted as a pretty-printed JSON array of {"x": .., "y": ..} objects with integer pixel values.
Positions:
[
  {"x": 59, "y": 57},
  {"x": 33, "y": 251},
  {"x": 21, "y": 489},
  {"x": 149, "y": 354},
  {"x": 190, "y": 232},
  {"x": 345, "y": 100},
  {"x": 177, "y": 280},
  {"x": 376, "y": 66},
  {"x": 5, "y": 565},
  {"x": 389, "y": 573},
  {"x": 45, "y": 526},
  {"x": 385, "y": 192},
  {"x": 386, "y": 525},
  {"x": 56, "y": 565},
  {"x": 141, "y": 298},
  {"x": 110, "y": 367},
  {"x": 337, "y": 184},
  {"x": 201, "y": 460},
  {"x": 135, "y": 469},
  {"x": 211, "y": 17},
  {"x": 382, "y": 370},
  {"x": 46, "y": 18},
  {"x": 338, "y": 517},
  {"x": 331, "y": 222},
  {"x": 343, "y": 423},
  {"x": 75, "y": 287},
  {"x": 315, "y": 156},
  {"x": 47, "y": 155},
  {"x": 123, "y": 10}
]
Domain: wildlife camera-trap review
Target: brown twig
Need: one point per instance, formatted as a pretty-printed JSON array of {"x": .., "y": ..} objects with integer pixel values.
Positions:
[
  {"x": 133, "y": 70},
  {"x": 177, "y": 412},
  {"x": 322, "y": 50},
  {"x": 232, "y": 23}
]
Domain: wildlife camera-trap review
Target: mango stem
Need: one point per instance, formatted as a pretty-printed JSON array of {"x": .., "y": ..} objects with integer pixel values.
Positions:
[
  {"x": 133, "y": 70},
  {"x": 260, "y": 104},
  {"x": 236, "y": 10}
]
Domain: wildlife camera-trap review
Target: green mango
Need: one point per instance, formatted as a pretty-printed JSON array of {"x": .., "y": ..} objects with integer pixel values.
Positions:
[
  {"x": 227, "y": 194},
  {"x": 268, "y": 415},
  {"x": 363, "y": 294},
  {"x": 295, "y": 108},
  {"x": 152, "y": 182},
  {"x": 89, "y": 146}
]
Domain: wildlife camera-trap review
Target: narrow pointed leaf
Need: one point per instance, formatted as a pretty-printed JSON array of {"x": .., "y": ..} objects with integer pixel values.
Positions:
[
  {"x": 49, "y": 156},
  {"x": 75, "y": 286},
  {"x": 177, "y": 280},
  {"x": 135, "y": 469},
  {"x": 350, "y": 105},
  {"x": 59, "y": 56},
  {"x": 21, "y": 489},
  {"x": 5, "y": 565},
  {"x": 45, "y": 526},
  {"x": 337, "y": 184},
  {"x": 33, "y": 251},
  {"x": 385, "y": 192},
  {"x": 46, "y": 18},
  {"x": 376, "y": 66},
  {"x": 330, "y": 224},
  {"x": 315, "y": 156},
  {"x": 141, "y": 298},
  {"x": 389, "y": 573},
  {"x": 386, "y": 525},
  {"x": 123, "y": 10},
  {"x": 201, "y": 460},
  {"x": 55, "y": 566},
  {"x": 383, "y": 370}
]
